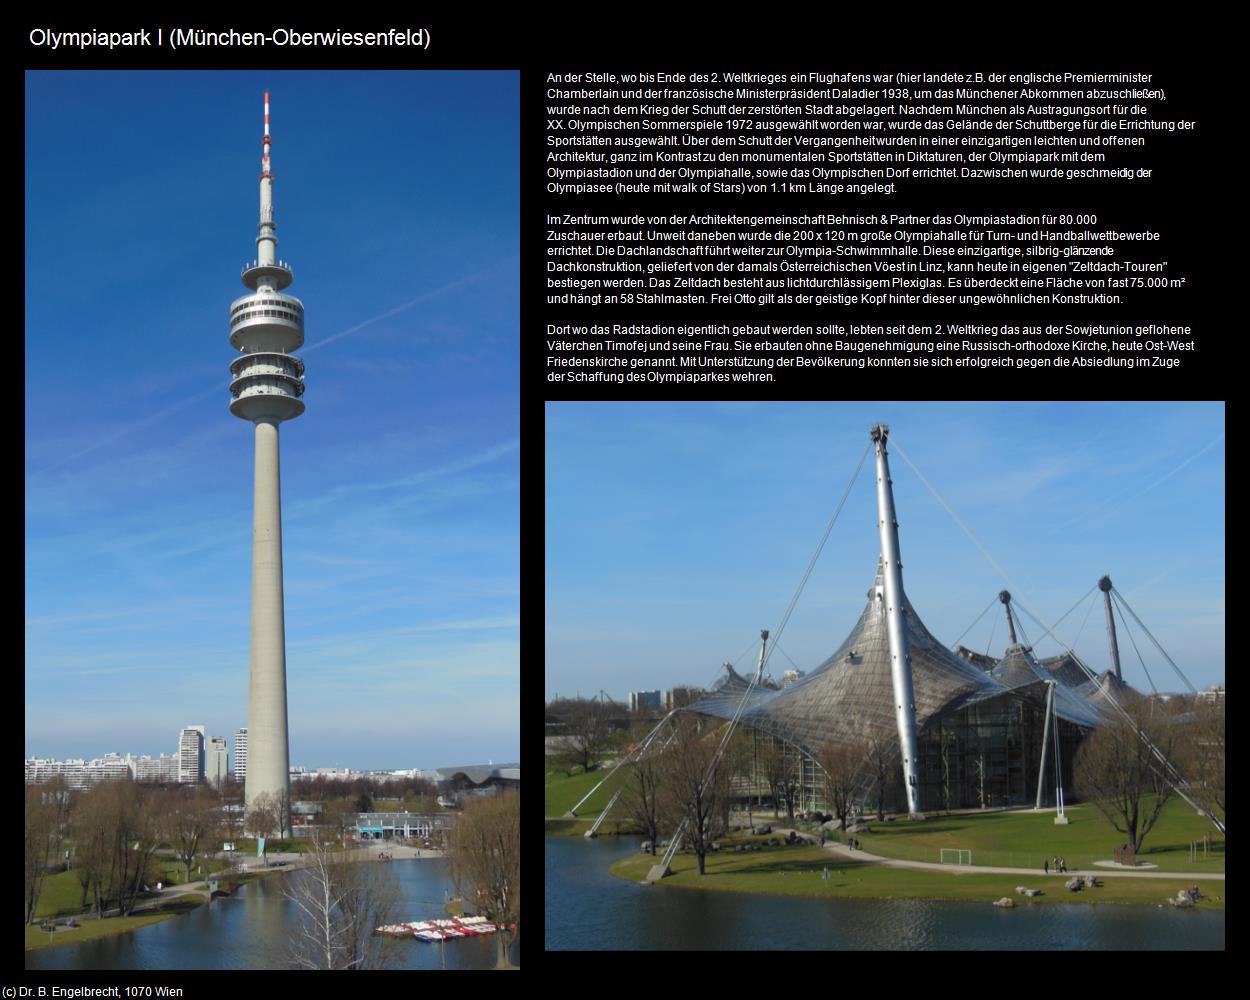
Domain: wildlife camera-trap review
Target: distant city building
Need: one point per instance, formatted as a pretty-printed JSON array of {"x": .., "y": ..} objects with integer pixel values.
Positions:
[
  {"x": 163, "y": 770},
  {"x": 216, "y": 761},
  {"x": 384, "y": 826},
  {"x": 79, "y": 773},
  {"x": 680, "y": 697},
  {"x": 643, "y": 700},
  {"x": 790, "y": 676},
  {"x": 1214, "y": 693},
  {"x": 191, "y": 755},
  {"x": 240, "y": 755}
]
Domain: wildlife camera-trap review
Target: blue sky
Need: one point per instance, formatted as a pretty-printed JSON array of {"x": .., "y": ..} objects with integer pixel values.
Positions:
[
  {"x": 396, "y": 201},
  {"x": 675, "y": 532}
]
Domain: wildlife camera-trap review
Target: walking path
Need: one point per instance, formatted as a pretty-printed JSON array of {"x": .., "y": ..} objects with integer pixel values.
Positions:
[{"x": 842, "y": 851}]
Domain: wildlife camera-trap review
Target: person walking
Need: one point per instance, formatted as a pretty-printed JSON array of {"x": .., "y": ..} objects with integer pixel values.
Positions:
[{"x": 1046, "y": 865}]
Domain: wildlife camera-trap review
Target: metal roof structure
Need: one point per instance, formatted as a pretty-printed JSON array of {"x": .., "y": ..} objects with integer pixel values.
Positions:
[
  {"x": 1018, "y": 670},
  {"x": 1067, "y": 669},
  {"x": 850, "y": 697}
]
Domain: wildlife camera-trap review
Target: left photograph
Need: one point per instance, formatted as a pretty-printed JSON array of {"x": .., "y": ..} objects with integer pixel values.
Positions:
[{"x": 272, "y": 482}]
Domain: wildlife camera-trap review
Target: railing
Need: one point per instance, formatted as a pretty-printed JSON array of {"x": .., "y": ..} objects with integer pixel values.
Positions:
[{"x": 256, "y": 263}]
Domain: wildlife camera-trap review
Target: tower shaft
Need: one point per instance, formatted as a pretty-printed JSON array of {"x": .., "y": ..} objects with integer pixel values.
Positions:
[{"x": 267, "y": 770}]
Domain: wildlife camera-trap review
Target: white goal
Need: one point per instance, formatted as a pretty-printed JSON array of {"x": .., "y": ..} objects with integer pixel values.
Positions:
[{"x": 955, "y": 856}]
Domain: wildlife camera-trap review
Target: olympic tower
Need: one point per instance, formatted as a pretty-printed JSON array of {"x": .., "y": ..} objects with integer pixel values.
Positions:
[{"x": 266, "y": 385}]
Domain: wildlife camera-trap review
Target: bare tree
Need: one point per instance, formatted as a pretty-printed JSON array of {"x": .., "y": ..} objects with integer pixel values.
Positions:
[
  {"x": 43, "y": 841},
  {"x": 642, "y": 793},
  {"x": 782, "y": 770},
  {"x": 339, "y": 815},
  {"x": 97, "y": 819},
  {"x": 587, "y": 731},
  {"x": 231, "y": 814},
  {"x": 484, "y": 851},
  {"x": 1118, "y": 771},
  {"x": 192, "y": 821},
  {"x": 283, "y": 798},
  {"x": 341, "y": 902},
  {"x": 262, "y": 817},
  {"x": 696, "y": 789},
  {"x": 841, "y": 767},
  {"x": 116, "y": 830},
  {"x": 1203, "y": 757},
  {"x": 883, "y": 758}
]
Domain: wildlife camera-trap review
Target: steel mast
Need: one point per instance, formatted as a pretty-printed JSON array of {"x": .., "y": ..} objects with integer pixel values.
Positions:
[
  {"x": 900, "y": 656},
  {"x": 1105, "y": 586}
]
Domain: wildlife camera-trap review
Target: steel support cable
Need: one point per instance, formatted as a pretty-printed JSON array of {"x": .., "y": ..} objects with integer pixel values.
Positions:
[
  {"x": 1120, "y": 598},
  {"x": 993, "y": 600},
  {"x": 641, "y": 746},
  {"x": 1063, "y": 616},
  {"x": 1170, "y": 773},
  {"x": 785, "y": 618},
  {"x": 1124, "y": 622},
  {"x": 711, "y": 768},
  {"x": 749, "y": 646},
  {"x": 637, "y": 751},
  {"x": 1050, "y": 631},
  {"x": 787, "y": 656},
  {"x": 993, "y": 630},
  {"x": 1178, "y": 782},
  {"x": 1020, "y": 627},
  {"x": 1084, "y": 621}
]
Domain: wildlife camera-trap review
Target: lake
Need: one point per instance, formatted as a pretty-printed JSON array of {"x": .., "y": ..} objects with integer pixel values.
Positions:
[
  {"x": 250, "y": 929},
  {"x": 589, "y": 909}
]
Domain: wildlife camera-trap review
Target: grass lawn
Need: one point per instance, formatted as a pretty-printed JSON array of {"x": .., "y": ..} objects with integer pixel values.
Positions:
[
  {"x": 561, "y": 792},
  {"x": 60, "y": 896},
  {"x": 91, "y": 928},
  {"x": 797, "y": 871},
  {"x": 1024, "y": 839}
]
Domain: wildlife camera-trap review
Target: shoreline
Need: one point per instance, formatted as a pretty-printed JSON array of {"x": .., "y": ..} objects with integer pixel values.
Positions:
[
  {"x": 799, "y": 871},
  {"x": 172, "y": 902}
]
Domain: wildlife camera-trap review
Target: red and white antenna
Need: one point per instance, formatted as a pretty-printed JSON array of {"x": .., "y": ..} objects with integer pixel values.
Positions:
[{"x": 265, "y": 143}]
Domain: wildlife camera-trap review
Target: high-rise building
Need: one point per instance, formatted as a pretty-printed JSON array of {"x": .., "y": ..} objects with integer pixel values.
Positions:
[
  {"x": 644, "y": 700},
  {"x": 266, "y": 385},
  {"x": 191, "y": 755},
  {"x": 216, "y": 761},
  {"x": 240, "y": 754}
]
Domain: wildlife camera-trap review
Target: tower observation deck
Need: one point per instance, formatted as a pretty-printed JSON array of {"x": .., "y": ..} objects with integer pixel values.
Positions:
[
  {"x": 267, "y": 325},
  {"x": 267, "y": 381}
]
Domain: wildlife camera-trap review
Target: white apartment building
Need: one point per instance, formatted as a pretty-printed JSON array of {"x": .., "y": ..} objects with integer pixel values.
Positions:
[
  {"x": 191, "y": 755},
  {"x": 240, "y": 755}
]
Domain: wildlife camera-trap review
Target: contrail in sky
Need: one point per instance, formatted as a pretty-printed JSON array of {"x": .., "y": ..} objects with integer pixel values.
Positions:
[
  {"x": 183, "y": 403},
  {"x": 398, "y": 309},
  {"x": 1167, "y": 475}
]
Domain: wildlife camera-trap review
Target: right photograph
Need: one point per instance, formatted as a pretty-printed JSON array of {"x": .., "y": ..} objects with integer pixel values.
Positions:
[{"x": 863, "y": 676}]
